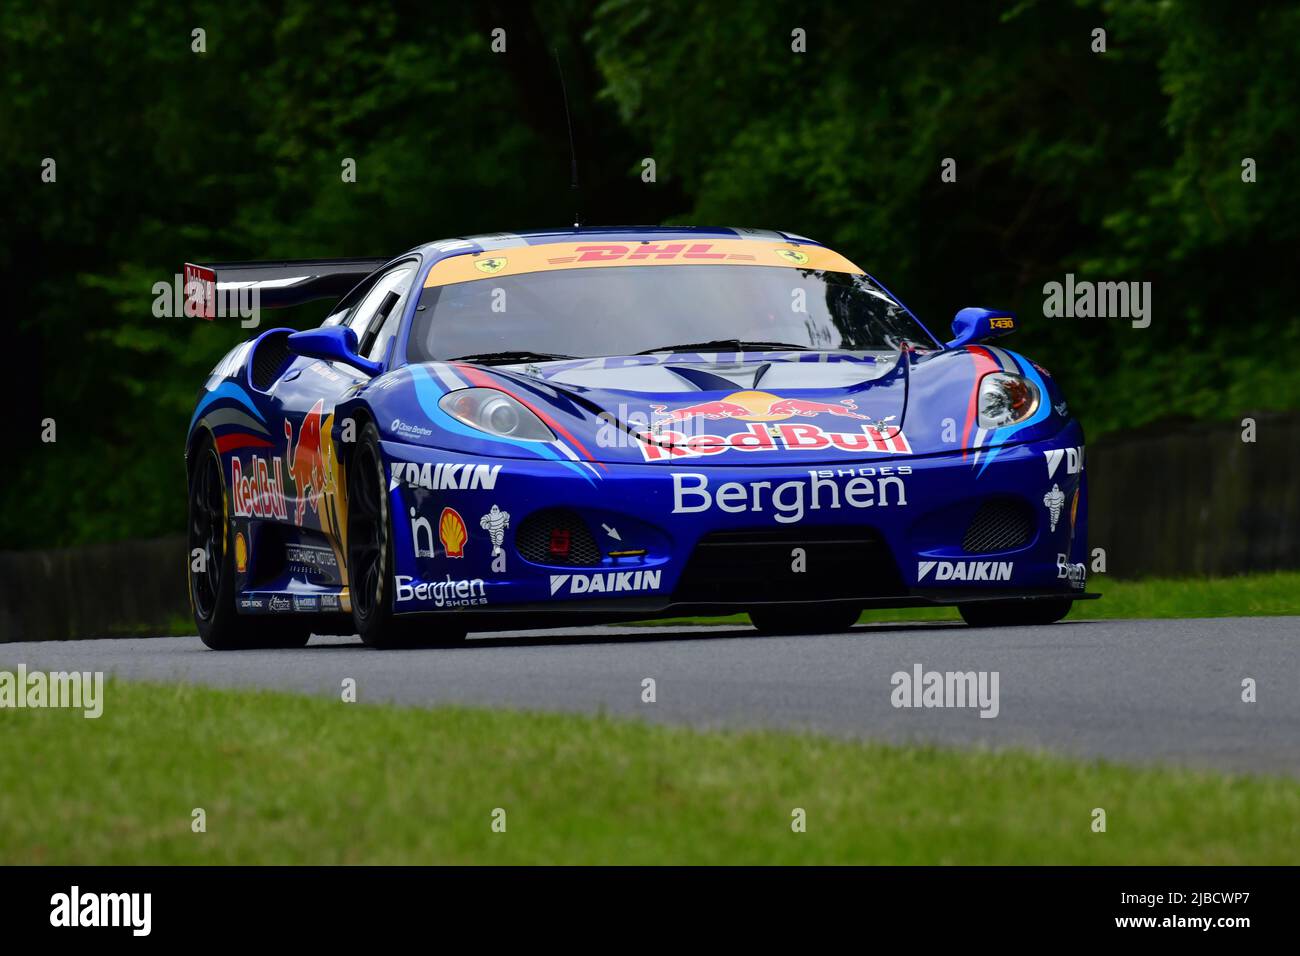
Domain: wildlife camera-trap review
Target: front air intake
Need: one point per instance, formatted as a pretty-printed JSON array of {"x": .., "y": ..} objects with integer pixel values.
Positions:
[
  {"x": 1000, "y": 524},
  {"x": 789, "y": 564},
  {"x": 557, "y": 536}
]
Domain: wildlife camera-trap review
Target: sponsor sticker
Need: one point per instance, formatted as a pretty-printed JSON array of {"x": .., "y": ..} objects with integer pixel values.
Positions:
[
  {"x": 307, "y": 466},
  {"x": 309, "y": 559},
  {"x": 606, "y": 583},
  {"x": 200, "y": 291},
  {"x": 406, "y": 428},
  {"x": 672, "y": 252},
  {"x": 964, "y": 570},
  {"x": 452, "y": 533},
  {"x": 446, "y": 593},
  {"x": 422, "y": 536},
  {"x": 444, "y": 476},
  {"x": 259, "y": 494},
  {"x": 1075, "y": 573},
  {"x": 1054, "y": 501},
  {"x": 279, "y": 602},
  {"x": 672, "y": 445},
  {"x": 495, "y": 523},
  {"x": 681, "y": 432},
  {"x": 1072, "y": 457},
  {"x": 787, "y": 502}
]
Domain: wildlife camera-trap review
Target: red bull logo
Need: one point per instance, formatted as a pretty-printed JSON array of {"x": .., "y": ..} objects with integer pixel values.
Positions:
[
  {"x": 306, "y": 463},
  {"x": 664, "y": 442},
  {"x": 807, "y": 409},
  {"x": 713, "y": 410},
  {"x": 260, "y": 492},
  {"x": 754, "y": 406}
]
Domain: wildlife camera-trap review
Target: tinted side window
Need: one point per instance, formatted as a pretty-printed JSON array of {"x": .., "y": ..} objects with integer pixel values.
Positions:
[
  {"x": 345, "y": 306},
  {"x": 394, "y": 280},
  {"x": 385, "y": 334}
]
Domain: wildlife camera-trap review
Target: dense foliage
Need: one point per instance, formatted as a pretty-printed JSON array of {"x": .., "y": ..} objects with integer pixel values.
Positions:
[{"x": 1117, "y": 166}]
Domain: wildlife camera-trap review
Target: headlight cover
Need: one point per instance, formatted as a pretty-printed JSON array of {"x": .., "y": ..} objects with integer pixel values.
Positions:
[
  {"x": 496, "y": 413},
  {"x": 1006, "y": 399}
]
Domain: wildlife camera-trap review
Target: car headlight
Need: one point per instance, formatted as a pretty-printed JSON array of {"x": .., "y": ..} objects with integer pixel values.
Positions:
[
  {"x": 1006, "y": 399},
  {"x": 496, "y": 413}
]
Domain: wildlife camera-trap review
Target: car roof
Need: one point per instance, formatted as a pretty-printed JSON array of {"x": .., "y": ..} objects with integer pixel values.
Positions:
[{"x": 492, "y": 241}]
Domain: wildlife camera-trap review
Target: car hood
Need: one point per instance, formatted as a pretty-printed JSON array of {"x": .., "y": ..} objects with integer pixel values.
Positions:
[{"x": 730, "y": 409}]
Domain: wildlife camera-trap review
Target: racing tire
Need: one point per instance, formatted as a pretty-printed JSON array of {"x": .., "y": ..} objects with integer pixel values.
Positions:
[
  {"x": 1015, "y": 613},
  {"x": 212, "y": 590},
  {"x": 801, "y": 619},
  {"x": 370, "y": 558}
]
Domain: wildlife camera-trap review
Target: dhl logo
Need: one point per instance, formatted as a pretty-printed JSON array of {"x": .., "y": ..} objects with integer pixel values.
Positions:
[{"x": 702, "y": 251}]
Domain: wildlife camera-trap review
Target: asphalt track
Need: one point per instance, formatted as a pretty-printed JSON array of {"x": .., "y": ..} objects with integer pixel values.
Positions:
[{"x": 1166, "y": 691}]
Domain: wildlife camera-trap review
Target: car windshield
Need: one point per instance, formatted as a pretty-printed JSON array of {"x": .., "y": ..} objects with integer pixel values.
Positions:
[{"x": 623, "y": 310}]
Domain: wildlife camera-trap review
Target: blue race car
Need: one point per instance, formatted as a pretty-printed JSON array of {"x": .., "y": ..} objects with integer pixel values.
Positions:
[{"x": 609, "y": 424}]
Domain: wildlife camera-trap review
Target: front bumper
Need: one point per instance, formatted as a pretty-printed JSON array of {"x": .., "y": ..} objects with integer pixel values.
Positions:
[{"x": 657, "y": 538}]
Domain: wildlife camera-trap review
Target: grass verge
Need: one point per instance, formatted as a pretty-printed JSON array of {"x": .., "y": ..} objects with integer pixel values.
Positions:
[
  {"x": 1247, "y": 595},
  {"x": 292, "y": 779}
]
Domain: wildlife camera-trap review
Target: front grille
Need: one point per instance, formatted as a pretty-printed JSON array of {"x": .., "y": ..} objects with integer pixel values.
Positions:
[
  {"x": 1001, "y": 524},
  {"x": 760, "y": 565},
  {"x": 533, "y": 539}
]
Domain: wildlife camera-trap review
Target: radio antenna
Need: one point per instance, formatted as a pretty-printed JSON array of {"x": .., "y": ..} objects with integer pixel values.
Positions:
[{"x": 573, "y": 152}]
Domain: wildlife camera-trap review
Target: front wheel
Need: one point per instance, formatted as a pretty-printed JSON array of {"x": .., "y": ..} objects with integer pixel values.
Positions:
[
  {"x": 1015, "y": 613},
  {"x": 801, "y": 619},
  {"x": 370, "y": 558}
]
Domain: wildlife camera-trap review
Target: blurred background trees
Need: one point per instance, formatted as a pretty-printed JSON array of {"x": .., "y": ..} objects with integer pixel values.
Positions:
[{"x": 1117, "y": 166}]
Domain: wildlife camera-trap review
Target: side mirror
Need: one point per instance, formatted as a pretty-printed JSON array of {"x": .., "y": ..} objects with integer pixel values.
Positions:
[
  {"x": 979, "y": 325},
  {"x": 334, "y": 343}
]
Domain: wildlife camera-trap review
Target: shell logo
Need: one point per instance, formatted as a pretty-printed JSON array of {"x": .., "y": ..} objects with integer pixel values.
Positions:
[
  {"x": 452, "y": 533},
  {"x": 241, "y": 552}
]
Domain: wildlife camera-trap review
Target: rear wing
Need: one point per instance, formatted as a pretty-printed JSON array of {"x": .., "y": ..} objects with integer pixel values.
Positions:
[{"x": 277, "y": 285}]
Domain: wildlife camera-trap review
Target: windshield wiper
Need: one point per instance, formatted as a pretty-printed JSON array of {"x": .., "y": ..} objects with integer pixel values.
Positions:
[
  {"x": 728, "y": 345},
  {"x": 509, "y": 358}
]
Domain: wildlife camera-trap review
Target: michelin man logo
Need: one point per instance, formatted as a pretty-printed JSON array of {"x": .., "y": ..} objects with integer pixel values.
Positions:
[
  {"x": 495, "y": 523},
  {"x": 1054, "y": 500}
]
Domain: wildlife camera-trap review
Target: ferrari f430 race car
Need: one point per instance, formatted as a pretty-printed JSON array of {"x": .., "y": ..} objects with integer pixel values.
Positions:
[{"x": 612, "y": 424}]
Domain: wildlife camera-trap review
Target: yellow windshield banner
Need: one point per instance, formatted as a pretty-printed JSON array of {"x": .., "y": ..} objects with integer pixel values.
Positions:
[{"x": 519, "y": 260}]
